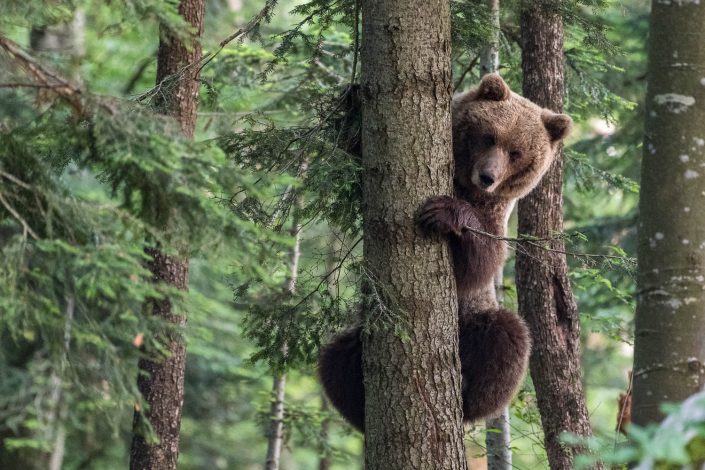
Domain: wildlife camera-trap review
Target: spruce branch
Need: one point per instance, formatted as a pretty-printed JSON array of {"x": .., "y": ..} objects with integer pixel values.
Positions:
[{"x": 45, "y": 78}]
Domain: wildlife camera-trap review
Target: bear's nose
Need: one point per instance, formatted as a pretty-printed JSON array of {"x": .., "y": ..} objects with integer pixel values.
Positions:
[{"x": 486, "y": 180}]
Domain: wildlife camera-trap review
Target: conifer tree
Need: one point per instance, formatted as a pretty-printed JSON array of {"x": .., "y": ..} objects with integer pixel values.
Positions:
[
  {"x": 545, "y": 294},
  {"x": 162, "y": 382},
  {"x": 669, "y": 337},
  {"x": 410, "y": 355}
]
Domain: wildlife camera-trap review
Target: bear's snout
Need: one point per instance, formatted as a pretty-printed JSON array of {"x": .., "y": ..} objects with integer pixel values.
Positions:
[
  {"x": 486, "y": 180},
  {"x": 489, "y": 170}
]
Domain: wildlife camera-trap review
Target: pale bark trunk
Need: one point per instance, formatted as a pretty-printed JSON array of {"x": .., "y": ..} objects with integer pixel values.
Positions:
[
  {"x": 67, "y": 41},
  {"x": 545, "y": 295},
  {"x": 325, "y": 461},
  {"x": 325, "y": 458},
  {"x": 413, "y": 417},
  {"x": 162, "y": 383},
  {"x": 669, "y": 347},
  {"x": 489, "y": 56},
  {"x": 276, "y": 420},
  {"x": 275, "y": 438},
  {"x": 498, "y": 441},
  {"x": 56, "y": 458}
]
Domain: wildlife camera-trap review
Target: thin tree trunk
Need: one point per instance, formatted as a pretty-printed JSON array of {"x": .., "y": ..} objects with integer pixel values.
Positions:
[
  {"x": 413, "y": 417},
  {"x": 56, "y": 458},
  {"x": 545, "y": 295},
  {"x": 498, "y": 440},
  {"x": 489, "y": 56},
  {"x": 275, "y": 434},
  {"x": 162, "y": 383},
  {"x": 325, "y": 461},
  {"x": 325, "y": 458},
  {"x": 275, "y": 438},
  {"x": 669, "y": 347},
  {"x": 66, "y": 40}
]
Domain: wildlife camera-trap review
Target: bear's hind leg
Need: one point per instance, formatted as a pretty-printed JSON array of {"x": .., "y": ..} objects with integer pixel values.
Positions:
[
  {"x": 340, "y": 369},
  {"x": 494, "y": 350}
]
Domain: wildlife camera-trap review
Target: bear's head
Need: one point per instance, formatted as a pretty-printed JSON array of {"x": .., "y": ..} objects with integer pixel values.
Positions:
[{"x": 503, "y": 144}]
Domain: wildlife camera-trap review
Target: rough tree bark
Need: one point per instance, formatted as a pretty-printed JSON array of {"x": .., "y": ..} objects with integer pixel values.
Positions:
[
  {"x": 413, "y": 417},
  {"x": 546, "y": 299},
  {"x": 669, "y": 347},
  {"x": 162, "y": 383}
]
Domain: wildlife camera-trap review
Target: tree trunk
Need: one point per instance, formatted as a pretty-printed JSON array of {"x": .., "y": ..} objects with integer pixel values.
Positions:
[
  {"x": 489, "y": 56},
  {"x": 324, "y": 459},
  {"x": 162, "y": 383},
  {"x": 275, "y": 434},
  {"x": 275, "y": 438},
  {"x": 498, "y": 441},
  {"x": 545, "y": 296},
  {"x": 413, "y": 416},
  {"x": 669, "y": 348},
  {"x": 66, "y": 40}
]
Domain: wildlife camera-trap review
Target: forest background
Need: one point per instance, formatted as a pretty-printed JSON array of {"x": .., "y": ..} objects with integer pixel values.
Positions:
[{"x": 88, "y": 172}]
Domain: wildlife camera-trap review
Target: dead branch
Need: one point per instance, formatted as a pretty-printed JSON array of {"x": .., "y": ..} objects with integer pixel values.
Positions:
[
  {"x": 45, "y": 78},
  {"x": 245, "y": 30},
  {"x": 536, "y": 242}
]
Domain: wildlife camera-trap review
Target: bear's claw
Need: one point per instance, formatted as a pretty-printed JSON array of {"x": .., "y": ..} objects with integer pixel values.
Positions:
[{"x": 437, "y": 216}]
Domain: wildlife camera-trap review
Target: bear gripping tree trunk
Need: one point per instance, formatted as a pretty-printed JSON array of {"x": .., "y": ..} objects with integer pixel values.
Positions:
[
  {"x": 545, "y": 296},
  {"x": 162, "y": 383},
  {"x": 413, "y": 417},
  {"x": 669, "y": 340}
]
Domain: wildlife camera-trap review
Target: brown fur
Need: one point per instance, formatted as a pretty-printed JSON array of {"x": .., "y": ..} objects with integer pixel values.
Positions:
[
  {"x": 475, "y": 257},
  {"x": 494, "y": 347},
  {"x": 511, "y": 137},
  {"x": 502, "y": 146},
  {"x": 340, "y": 366}
]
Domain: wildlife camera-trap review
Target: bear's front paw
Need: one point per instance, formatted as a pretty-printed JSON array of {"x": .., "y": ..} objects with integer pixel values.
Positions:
[{"x": 437, "y": 215}]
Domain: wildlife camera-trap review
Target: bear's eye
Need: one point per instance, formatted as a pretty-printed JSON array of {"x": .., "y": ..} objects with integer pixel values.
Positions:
[
  {"x": 515, "y": 155},
  {"x": 489, "y": 140}
]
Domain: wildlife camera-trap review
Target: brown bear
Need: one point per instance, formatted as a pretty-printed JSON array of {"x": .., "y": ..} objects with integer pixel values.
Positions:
[{"x": 502, "y": 146}]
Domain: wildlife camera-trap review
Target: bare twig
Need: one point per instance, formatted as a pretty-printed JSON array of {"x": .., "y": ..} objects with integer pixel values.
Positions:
[
  {"x": 138, "y": 73},
  {"x": 15, "y": 180},
  {"x": 245, "y": 30},
  {"x": 534, "y": 242},
  {"x": 328, "y": 275},
  {"x": 465, "y": 72},
  {"x": 25, "y": 226},
  {"x": 26, "y": 85}
]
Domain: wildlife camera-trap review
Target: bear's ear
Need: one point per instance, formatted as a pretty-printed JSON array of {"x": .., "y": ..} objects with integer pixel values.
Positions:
[
  {"x": 493, "y": 88},
  {"x": 557, "y": 125}
]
